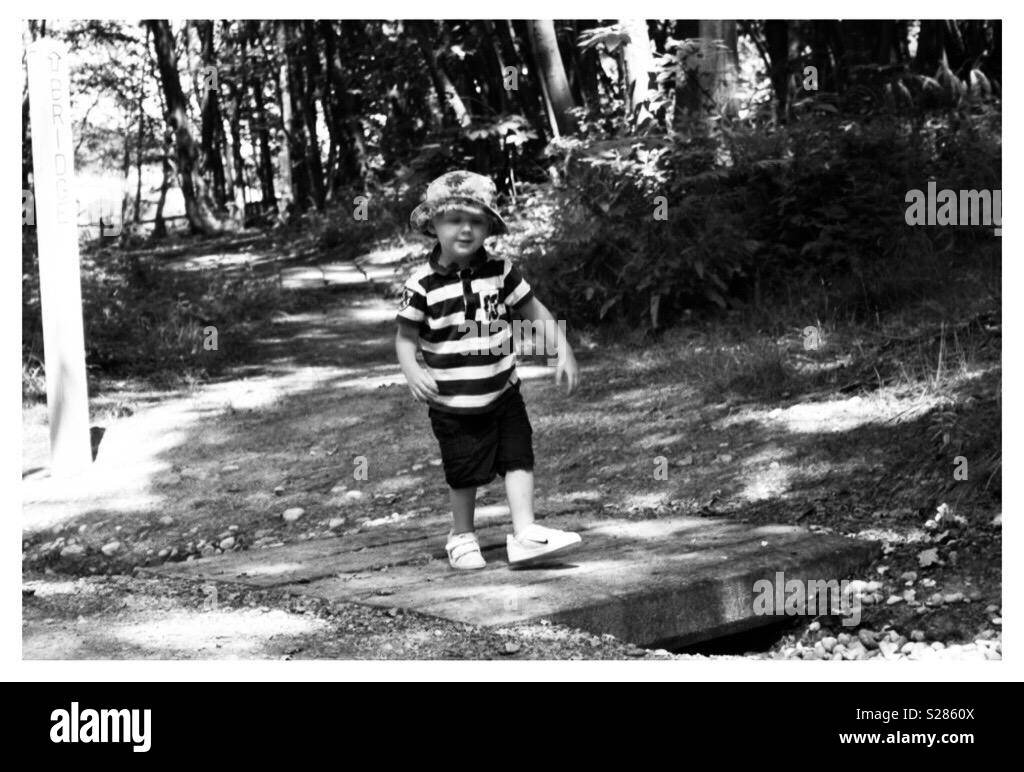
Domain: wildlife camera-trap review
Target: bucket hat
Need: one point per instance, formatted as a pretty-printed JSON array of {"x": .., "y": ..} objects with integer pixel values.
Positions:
[{"x": 459, "y": 190}]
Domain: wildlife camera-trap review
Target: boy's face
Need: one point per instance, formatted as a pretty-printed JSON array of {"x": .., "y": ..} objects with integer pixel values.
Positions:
[{"x": 461, "y": 232}]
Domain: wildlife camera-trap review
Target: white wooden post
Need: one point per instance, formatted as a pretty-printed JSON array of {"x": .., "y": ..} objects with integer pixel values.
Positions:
[{"x": 60, "y": 286}]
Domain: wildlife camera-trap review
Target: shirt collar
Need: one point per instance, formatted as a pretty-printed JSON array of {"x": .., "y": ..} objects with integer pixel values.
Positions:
[{"x": 450, "y": 270}]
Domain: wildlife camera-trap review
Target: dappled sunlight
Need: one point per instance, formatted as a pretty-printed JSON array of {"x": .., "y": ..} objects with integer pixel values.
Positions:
[
  {"x": 830, "y": 416},
  {"x": 645, "y": 500},
  {"x": 274, "y": 569},
  {"x": 765, "y": 483},
  {"x": 656, "y": 440},
  {"x": 245, "y": 631}
]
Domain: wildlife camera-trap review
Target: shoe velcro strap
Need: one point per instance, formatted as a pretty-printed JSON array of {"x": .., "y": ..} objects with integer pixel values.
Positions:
[{"x": 465, "y": 548}]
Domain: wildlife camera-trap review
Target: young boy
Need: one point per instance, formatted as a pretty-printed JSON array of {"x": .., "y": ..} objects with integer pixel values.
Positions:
[{"x": 469, "y": 382}]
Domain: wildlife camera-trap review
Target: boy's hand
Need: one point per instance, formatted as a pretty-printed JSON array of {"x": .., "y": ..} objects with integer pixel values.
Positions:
[
  {"x": 567, "y": 365},
  {"x": 421, "y": 384}
]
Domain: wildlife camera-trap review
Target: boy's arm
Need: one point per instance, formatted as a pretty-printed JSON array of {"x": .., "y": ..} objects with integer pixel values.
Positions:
[
  {"x": 421, "y": 384},
  {"x": 535, "y": 311}
]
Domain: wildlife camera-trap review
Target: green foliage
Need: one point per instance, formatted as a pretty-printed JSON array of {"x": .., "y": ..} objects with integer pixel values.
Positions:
[
  {"x": 144, "y": 320},
  {"x": 811, "y": 214}
]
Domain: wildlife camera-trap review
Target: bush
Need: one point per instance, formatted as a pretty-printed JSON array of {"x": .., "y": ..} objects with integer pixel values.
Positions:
[
  {"x": 810, "y": 216},
  {"x": 144, "y": 320}
]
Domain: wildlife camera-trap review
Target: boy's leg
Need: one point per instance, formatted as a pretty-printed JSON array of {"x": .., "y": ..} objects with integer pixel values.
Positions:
[
  {"x": 463, "y": 502},
  {"x": 519, "y": 490}
]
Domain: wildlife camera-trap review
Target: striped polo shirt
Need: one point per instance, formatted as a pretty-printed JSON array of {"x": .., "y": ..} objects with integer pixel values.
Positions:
[{"x": 438, "y": 299}]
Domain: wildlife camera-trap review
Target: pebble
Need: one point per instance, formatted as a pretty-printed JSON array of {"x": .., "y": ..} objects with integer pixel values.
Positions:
[
  {"x": 339, "y": 489},
  {"x": 292, "y": 514},
  {"x": 72, "y": 551},
  {"x": 166, "y": 520},
  {"x": 856, "y": 650},
  {"x": 867, "y": 638},
  {"x": 893, "y": 599},
  {"x": 873, "y": 586},
  {"x": 354, "y": 495},
  {"x": 844, "y": 638},
  {"x": 111, "y": 548},
  {"x": 336, "y": 522},
  {"x": 279, "y": 490},
  {"x": 814, "y": 626},
  {"x": 888, "y": 649},
  {"x": 417, "y": 467},
  {"x": 828, "y": 642},
  {"x": 953, "y": 597},
  {"x": 228, "y": 543},
  {"x": 230, "y": 468},
  {"x": 163, "y": 553}
]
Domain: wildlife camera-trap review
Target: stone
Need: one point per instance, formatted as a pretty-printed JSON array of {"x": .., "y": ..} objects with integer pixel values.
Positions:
[
  {"x": 228, "y": 543},
  {"x": 828, "y": 642},
  {"x": 888, "y": 649},
  {"x": 627, "y": 579},
  {"x": 867, "y": 638},
  {"x": 335, "y": 523},
  {"x": 166, "y": 520},
  {"x": 292, "y": 514},
  {"x": 111, "y": 548},
  {"x": 72, "y": 551},
  {"x": 354, "y": 495}
]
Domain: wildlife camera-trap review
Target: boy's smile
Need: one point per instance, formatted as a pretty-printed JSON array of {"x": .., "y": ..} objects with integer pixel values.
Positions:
[{"x": 460, "y": 233}]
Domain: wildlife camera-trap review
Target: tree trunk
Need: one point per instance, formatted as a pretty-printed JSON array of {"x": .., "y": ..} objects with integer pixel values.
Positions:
[
  {"x": 292, "y": 188},
  {"x": 159, "y": 226},
  {"x": 636, "y": 54},
  {"x": 353, "y": 157},
  {"x": 308, "y": 94},
  {"x": 446, "y": 92},
  {"x": 211, "y": 122},
  {"x": 930, "y": 51},
  {"x": 721, "y": 66},
  {"x": 198, "y": 206},
  {"x": 776, "y": 34},
  {"x": 236, "y": 163},
  {"x": 552, "y": 74},
  {"x": 526, "y": 95},
  {"x": 260, "y": 127}
]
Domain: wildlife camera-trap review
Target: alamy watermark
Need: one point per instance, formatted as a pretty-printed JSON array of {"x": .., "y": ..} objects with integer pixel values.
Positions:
[
  {"x": 952, "y": 207},
  {"x": 531, "y": 337},
  {"x": 102, "y": 726}
]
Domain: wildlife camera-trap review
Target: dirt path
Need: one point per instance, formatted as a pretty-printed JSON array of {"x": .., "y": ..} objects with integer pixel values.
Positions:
[{"x": 195, "y": 473}]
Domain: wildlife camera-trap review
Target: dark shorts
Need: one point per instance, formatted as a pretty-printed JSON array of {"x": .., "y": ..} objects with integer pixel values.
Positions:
[{"x": 475, "y": 448}]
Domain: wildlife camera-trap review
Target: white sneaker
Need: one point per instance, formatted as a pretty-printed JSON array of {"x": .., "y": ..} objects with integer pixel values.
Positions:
[
  {"x": 538, "y": 543},
  {"x": 464, "y": 550}
]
